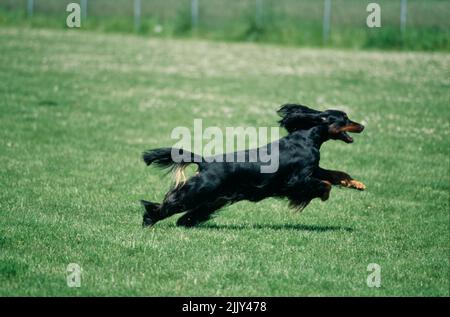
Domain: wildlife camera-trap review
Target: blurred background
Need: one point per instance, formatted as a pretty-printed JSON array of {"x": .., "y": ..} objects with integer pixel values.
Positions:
[{"x": 406, "y": 24}]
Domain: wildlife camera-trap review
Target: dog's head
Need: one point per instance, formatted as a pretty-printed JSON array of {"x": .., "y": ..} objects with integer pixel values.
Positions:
[{"x": 298, "y": 117}]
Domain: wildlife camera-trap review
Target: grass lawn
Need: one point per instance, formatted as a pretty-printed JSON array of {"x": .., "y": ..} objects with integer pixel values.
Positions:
[{"x": 78, "y": 108}]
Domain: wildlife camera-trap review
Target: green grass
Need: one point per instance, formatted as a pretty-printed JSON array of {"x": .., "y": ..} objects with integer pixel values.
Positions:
[
  {"x": 287, "y": 22},
  {"x": 78, "y": 108}
]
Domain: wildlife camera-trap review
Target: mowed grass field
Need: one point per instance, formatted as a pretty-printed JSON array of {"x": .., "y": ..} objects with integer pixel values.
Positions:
[{"x": 78, "y": 108}]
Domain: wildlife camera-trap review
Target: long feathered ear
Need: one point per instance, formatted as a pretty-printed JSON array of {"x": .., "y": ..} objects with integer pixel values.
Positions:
[{"x": 298, "y": 117}]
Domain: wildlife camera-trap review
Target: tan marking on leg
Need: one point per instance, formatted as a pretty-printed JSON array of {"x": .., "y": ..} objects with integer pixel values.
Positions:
[
  {"x": 357, "y": 184},
  {"x": 327, "y": 194}
]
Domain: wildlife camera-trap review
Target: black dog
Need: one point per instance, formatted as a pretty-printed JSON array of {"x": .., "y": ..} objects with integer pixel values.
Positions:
[{"x": 298, "y": 177}]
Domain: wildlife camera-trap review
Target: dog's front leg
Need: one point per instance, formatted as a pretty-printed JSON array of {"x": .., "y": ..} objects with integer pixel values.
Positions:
[
  {"x": 304, "y": 191},
  {"x": 338, "y": 178}
]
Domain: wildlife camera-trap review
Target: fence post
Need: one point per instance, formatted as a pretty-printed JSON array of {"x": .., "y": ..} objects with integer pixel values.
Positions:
[
  {"x": 403, "y": 9},
  {"x": 326, "y": 20},
  {"x": 84, "y": 5},
  {"x": 30, "y": 7},
  {"x": 137, "y": 15},
  {"x": 259, "y": 12},
  {"x": 194, "y": 13}
]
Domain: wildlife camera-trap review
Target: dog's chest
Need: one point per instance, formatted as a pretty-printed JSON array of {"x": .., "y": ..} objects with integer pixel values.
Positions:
[
  {"x": 310, "y": 157},
  {"x": 302, "y": 161}
]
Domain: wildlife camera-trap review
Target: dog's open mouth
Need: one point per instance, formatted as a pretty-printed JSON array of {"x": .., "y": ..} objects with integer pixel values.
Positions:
[
  {"x": 345, "y": 137},
  {"x": 342, "y": 134}
]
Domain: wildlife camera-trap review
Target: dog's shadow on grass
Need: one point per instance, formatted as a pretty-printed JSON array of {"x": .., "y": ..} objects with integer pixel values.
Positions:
[{"x": 299, "y": 227}]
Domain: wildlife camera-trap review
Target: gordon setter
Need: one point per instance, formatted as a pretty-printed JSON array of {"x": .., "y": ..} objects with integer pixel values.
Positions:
[{"x": 218, "y": 183}]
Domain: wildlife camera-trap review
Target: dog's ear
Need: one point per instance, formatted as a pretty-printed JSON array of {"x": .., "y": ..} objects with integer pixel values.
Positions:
[{"x": 298, "y": 117}]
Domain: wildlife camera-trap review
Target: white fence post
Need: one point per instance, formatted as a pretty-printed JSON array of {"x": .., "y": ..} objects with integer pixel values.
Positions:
[
  {"x": 194, "y": 13},
  {"x": 259, "y": 11},
  {"x": 403, "y": 9},
  {"x": 84, "y": 4},
  {"x": 30, "y": 7},
  {"x": 137, "y": 15},
  {"x": 326, "y": 20}
]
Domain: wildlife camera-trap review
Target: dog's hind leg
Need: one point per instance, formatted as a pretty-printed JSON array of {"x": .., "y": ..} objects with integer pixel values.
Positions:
[
  {"x": 174, "y": 202},
  {"x": 155, "y": 212},
  {"x": 309, "y": 189},
  {"x": 193, "y": 218},
  {"x": 200, "y": 214},
  {"x": 187, "y": 197},
  {"x": 149, "y": 217}
]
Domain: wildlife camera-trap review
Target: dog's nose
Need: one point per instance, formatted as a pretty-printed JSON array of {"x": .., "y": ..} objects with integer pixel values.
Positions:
[{"x": 361, "y": 127}]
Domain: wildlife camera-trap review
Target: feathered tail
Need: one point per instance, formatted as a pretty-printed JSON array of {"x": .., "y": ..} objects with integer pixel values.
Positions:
[{"x": 175, "y": 159}]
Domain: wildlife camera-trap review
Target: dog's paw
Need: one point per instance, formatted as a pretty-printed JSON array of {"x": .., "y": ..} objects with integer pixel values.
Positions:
[
  {"x": 356, "y": 184},
  {"x": 147, "y": 222}
]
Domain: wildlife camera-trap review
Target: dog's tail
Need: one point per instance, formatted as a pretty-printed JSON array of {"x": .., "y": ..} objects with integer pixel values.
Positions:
[{"x": 175, "y": 159}]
